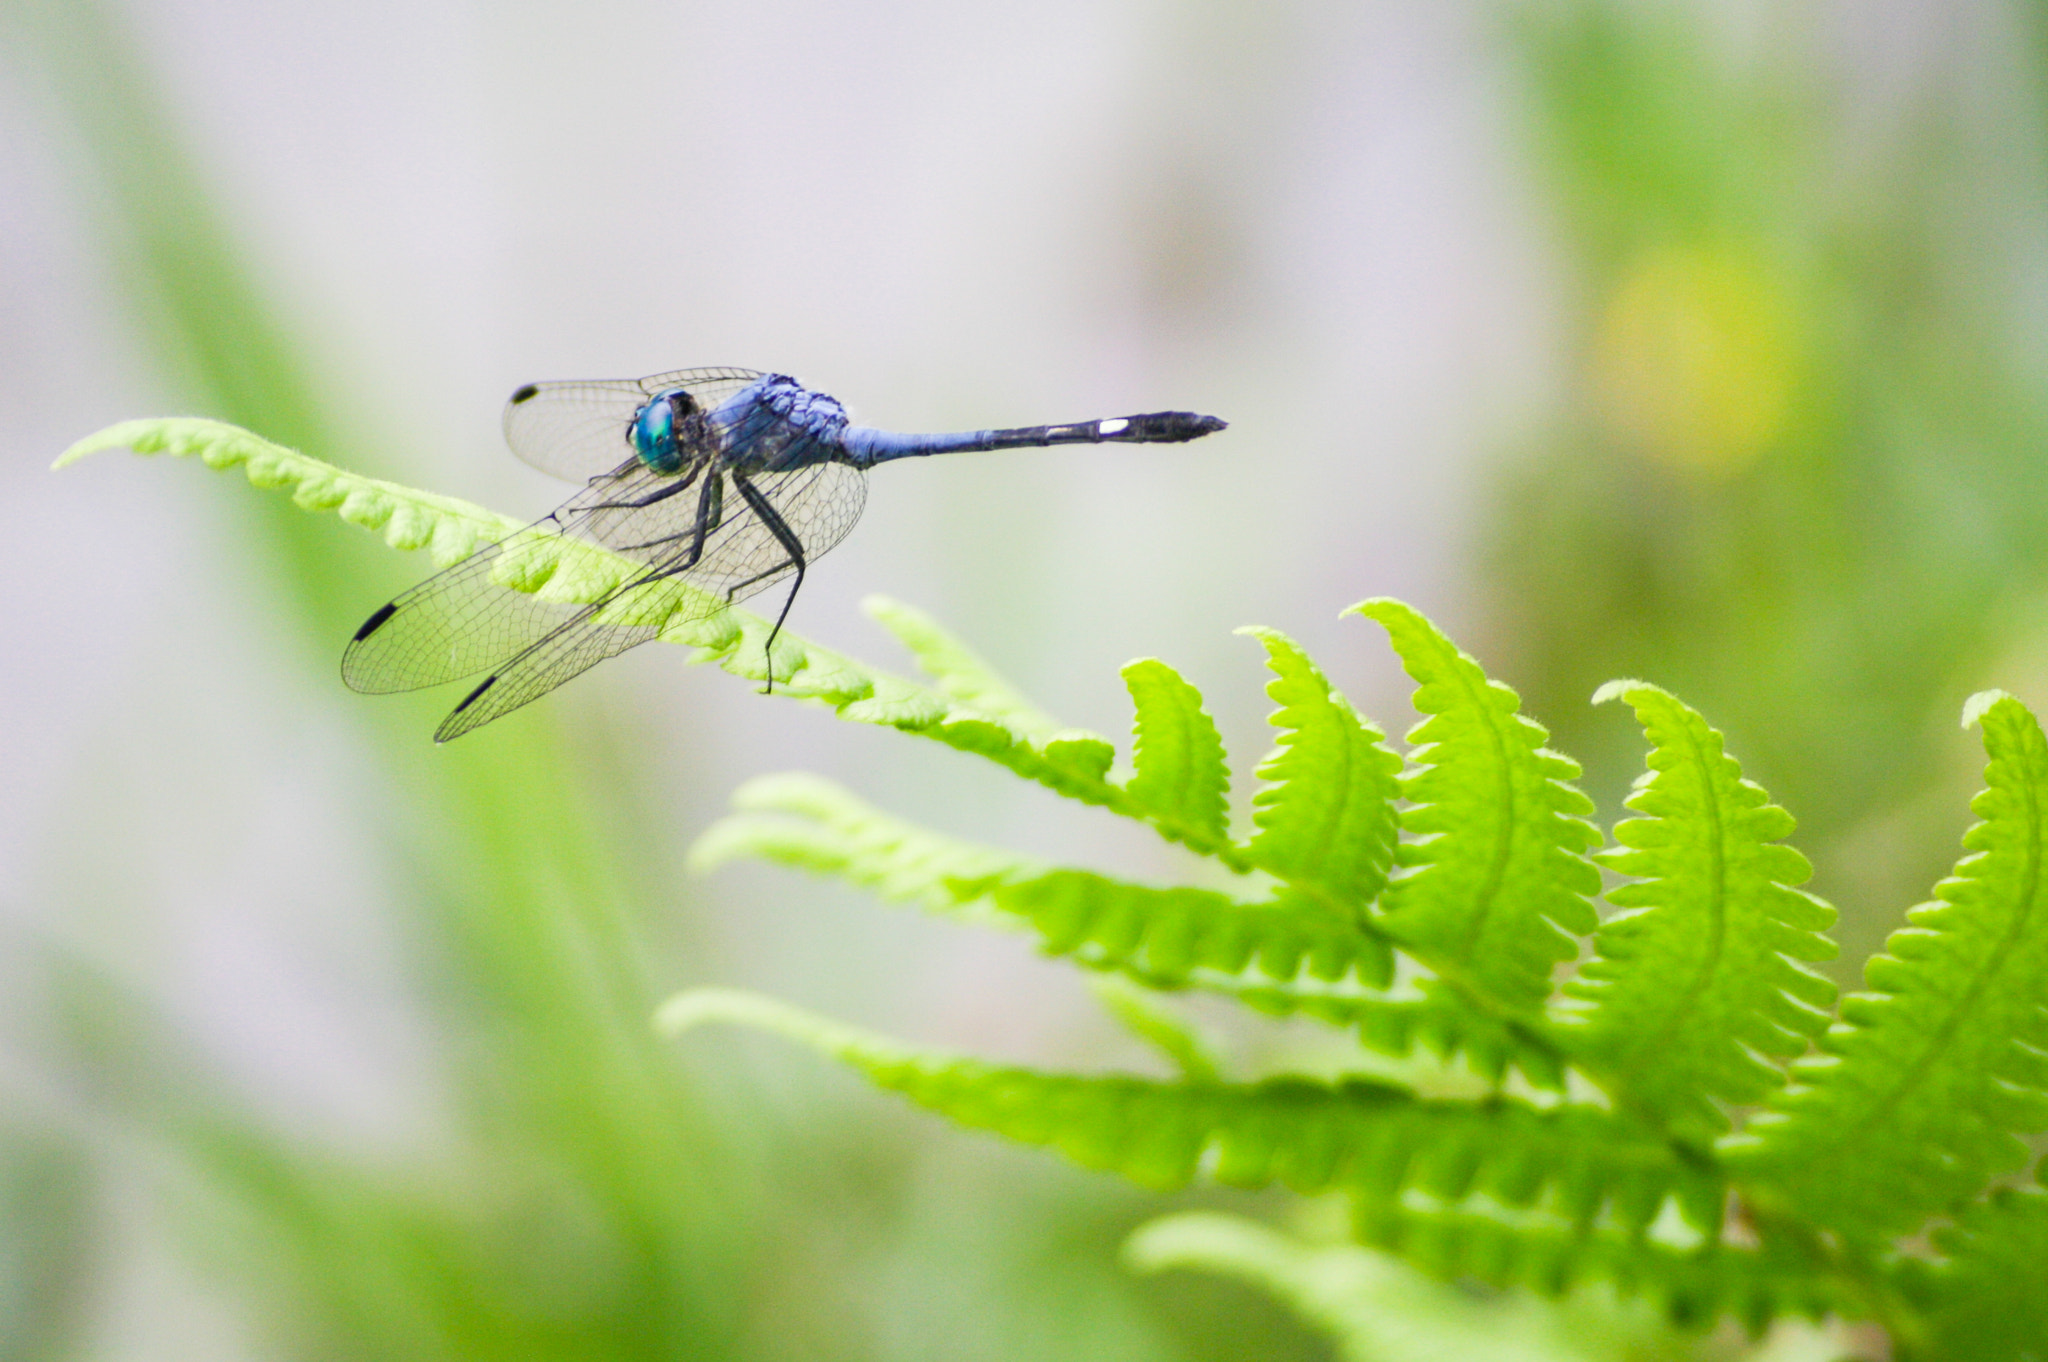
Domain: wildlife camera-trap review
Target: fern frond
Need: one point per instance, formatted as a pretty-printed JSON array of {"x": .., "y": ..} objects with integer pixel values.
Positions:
[
  {"x": 1071, "y": 762},
  {"x": 1592, "y": 1167},
  {"x": 1698, "y": 987},
  {"x": 1378, "y": 1308},
  {"x": 1695, "y": 1279},
  {"x": 960, "y": 673},
  {"x": 1497, "y": 882},
  {"x": 1985, "y": 1298},
  {"x": 450, "y": 530},
  {"x": 1171, "y": 938},
  {"x": 1283, "y": 956},
  {"x": 1326, "y": 819},
  {"x": 1373, "y": 1306},
  {"x": 1144, "y": 1014},
  {"x": 1182, "y": 781},
  {"x": 1930, "y": 1077},
  {"x": 808, "y": 823}
]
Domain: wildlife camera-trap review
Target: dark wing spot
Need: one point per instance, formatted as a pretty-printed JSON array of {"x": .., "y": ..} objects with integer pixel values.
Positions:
[
  {"x": 528, "y": 391},
  {"x": 371, "y": 625},
  {"x": 473, "y": 696}
]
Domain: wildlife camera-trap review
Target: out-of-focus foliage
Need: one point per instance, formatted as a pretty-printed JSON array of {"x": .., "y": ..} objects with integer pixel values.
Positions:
[{"x": 1799, "y": 476}]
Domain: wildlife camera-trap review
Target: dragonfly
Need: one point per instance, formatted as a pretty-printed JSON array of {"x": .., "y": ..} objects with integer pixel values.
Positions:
[{"x": 726, "y": 480}]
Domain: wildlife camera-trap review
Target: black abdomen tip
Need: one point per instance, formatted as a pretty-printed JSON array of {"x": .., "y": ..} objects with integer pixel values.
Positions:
[
  {"x": 1171, "y": 427},
  {"x": 523, "y": 393},
  {"x": 371, "y": 625}
]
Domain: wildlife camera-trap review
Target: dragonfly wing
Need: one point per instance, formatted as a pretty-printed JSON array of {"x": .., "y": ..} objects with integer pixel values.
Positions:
[
  {"x": 573, "y": 648},
  {"x": 454, "y": 624},
  {"x": 577, "y": 430},
  {"x": 464, "y": 620},
  {"x": 461, "y": 621},
  {"x": 738, "y": 556}
]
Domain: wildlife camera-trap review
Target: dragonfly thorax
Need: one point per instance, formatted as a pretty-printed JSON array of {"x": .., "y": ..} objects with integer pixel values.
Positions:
[{"x": 777, "y": 425}]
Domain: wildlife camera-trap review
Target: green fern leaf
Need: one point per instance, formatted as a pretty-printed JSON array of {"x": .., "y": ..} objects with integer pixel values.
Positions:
[
  {"x": 1586, "y": 1165},
  {"x": 1326, "y": 820},
  {"x": 1171, "y": 938},
  {"x": 1182, "y": 781},
  {"x": 811, "y": 824},
  {"x": 1498, "y": 882},
  {"x": 958, "y": 671},
  {"x": 1695, "y": 988},
  {"x": 1071, "y": 762},
  {"x": 1377, "y": 1308},
  {"x": 1695, "y": 1278},
  {"x": 1985, "y": 1299},
  {"x": 1929, "y": 1078},
  {"x": 1145, "y": 1015},
  {"x": 1282, "y": 956},
  {"x": 450, "y": 530}
]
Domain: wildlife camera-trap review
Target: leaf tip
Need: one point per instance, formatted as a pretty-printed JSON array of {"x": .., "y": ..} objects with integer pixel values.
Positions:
[
  {"x": 1378, "y": 608},
  {"x": 701, "y": 1006},
  {"x": 1980, "y": 704},
  {"x": 1619, "y": 689},
  {"x": 113, "y": 437}
]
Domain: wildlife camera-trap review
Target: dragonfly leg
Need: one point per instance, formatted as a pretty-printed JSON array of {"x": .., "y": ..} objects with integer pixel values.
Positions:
[
  {"x": 791, "y": 545},
  {"x": 710, "y": 515},
  {"x": 710, "y": 512},
  {"x": 681, "y": 484}
]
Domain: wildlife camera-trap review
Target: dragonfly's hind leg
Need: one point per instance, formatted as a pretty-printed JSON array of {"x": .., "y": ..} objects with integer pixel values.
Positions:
[{"x": 791, "y": 545}]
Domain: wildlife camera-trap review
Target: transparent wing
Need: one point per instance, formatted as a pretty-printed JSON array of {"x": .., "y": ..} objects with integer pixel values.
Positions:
[
  {"x": 461, "y": 622},
  {"x": 578, "y": 429},
  {"x": 572, "y": 649},
  {"x": 454, "y": 624}
]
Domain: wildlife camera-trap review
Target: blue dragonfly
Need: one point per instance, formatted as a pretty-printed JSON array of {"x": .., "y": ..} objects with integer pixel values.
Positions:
[{"x": 725, "y": 479}]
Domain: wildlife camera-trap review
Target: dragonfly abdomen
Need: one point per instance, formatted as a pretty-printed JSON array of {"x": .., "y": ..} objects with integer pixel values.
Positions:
[{"x": 866, "y": 446}]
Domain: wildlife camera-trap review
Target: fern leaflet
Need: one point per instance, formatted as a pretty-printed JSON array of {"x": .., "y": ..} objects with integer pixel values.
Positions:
[
  {"x": 1498, "y": 882},
  {"x": 1699, "y": 983},
  {"x": 1170, "y": 938},
  {"x": 1326, "y": 820},
  {"x": 1929, "y": 1078},
  {"x": 809, "y": 823},
  {"x": 1694, "y": 1280},
  {"x": 1306, "y": 1134},
  {"x": 1378, "y": 1308},
  {"x": 958, "y": 671},
  {"x": 1283, "y": 955},
  {"x": 1182, "y": 782},
  {"x": 1986, "y": 1296},
  {"x": 1145, "y": 1015}
]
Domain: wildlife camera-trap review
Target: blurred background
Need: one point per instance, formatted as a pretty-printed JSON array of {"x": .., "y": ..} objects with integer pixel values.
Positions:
[{"x": 1694, "y": 341}]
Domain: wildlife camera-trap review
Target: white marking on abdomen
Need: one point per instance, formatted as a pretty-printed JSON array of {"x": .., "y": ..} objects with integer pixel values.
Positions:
[{"x": 1115, "y": 427}]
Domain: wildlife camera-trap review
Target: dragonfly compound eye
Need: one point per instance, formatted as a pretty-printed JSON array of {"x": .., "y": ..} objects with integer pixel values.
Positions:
[{"x": 654, "y": 435}]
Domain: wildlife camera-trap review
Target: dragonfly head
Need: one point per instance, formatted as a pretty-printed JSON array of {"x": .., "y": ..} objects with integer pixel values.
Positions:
[{"x": 656, "y": 426}]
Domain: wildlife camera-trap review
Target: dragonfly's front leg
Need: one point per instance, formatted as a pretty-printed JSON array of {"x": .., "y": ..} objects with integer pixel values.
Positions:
[
  {"x": 681, "y": 484},
  {"x": 709, "y": 518}
]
